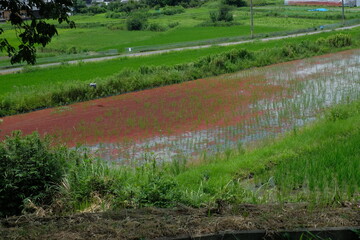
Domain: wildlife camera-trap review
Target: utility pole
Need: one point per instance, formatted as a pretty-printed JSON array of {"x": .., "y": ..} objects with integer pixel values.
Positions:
[
  {"x": 252, "y": 19},
  {"x": 343, "y": 12}
]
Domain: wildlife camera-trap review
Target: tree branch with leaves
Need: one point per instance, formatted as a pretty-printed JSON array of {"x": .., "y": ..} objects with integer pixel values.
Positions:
[{"x": 33, "y": 30}]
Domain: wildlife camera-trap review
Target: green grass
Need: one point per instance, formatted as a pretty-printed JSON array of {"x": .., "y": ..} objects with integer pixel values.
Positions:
[{"x": 40, "y": 79}]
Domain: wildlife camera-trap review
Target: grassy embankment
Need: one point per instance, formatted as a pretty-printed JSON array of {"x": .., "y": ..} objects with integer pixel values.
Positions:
[{"x": 63, "y": 85}]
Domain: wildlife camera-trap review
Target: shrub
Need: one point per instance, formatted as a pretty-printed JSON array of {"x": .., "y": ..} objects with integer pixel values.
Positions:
[
  {"x": 159, "y": 191},
  {"x": 339, "y": 40},
  {"x": 95, "y": 10},
  {"x": 156, "y": 27},
  {"x": 29, "y": 169},
  {"x": 163, "y": 3},
  {"x": 213, "y": 16},
  {"x": 321, "y": 41},
  {"x": 237, "y": 3},
  {"x": 126, "y": 7},
  {"x": 115, "y": 26},
  {"x": 173, "y": 24},
  {"x": 136, "y": 23},
  {"x": 73, "y": 50},
  {"x": 169, "y": 10},
  {"x": 79, "y": 6},
  {"x": 335, "y": 41},
  {"x": 115, "y": 15},
  {"x": 223, "y": 14}
]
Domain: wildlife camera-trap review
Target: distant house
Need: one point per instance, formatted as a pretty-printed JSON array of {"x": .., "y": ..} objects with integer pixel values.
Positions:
[
  {"x": 348, "y": 3},
  {"x": 5, "y": 14},
  {"x": 101, "y": 1},
  {"x": 106, "y": 2}
]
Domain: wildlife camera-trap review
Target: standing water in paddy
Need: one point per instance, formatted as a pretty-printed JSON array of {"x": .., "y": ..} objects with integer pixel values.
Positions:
[
  {"x": 224, "y": 112},
  {"x": 206, "y": 115}
]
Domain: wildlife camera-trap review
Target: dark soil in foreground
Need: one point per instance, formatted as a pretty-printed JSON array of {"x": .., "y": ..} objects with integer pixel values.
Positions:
[{"x": 181, "y": 221}]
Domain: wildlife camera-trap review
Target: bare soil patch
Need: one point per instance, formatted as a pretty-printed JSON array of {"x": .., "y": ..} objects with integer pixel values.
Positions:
[{"x": 154, "y": 223}]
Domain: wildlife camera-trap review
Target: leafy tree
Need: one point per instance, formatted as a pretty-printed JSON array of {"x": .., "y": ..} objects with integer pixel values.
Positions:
[
  {"x": 36, "y": 30},
  {"x": 95, "y": 9},
  {"x": 237, "y": 3},
  {"x": 79, "y": 6},
  {"x": 163, "y": 3},
  {"x": 127, "y": 7},
  {"x": 136, "y": 22},
  {"x": 29, "y": 169},
  {"x": 223, "y": 14}
]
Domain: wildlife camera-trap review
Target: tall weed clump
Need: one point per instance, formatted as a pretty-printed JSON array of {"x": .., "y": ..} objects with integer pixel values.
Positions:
[
  {"x": 30, "y": 169},
  {"x": 86, "y": 180},
  {"x": 154, "y": 76},
  {"x": 336, "y": 41},
  {"x": 93, "y": 182}
]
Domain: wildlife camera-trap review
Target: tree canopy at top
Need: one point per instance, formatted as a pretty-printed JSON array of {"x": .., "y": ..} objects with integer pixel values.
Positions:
[{"x": 28, "y": 18}]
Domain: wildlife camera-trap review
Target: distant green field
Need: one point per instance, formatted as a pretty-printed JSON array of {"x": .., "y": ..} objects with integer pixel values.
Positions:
[
  {"x": 98, "y": 33},
  {"x": 103, "y": 38},
  {"x": 87, "y": 72}
]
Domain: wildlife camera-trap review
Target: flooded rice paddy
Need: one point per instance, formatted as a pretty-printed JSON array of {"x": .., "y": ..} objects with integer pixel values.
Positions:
[
  {"x": 243, "y": 107},
  {"x": 207, "y": 115}
]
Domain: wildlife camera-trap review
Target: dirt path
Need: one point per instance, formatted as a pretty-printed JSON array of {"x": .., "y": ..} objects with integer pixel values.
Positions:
[
  {"x": 181, "y": 221},
  {"x": 18, "y": 69}
]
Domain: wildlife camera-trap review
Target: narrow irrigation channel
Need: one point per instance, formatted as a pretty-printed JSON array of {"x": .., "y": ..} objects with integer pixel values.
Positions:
[{"x": 206, "y": 115}]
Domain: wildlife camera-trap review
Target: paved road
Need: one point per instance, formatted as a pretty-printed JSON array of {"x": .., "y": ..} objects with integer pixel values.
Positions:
[{"x": 17, "y": 69}]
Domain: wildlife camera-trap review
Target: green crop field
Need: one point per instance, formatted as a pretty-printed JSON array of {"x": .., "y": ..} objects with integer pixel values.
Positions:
[
  {"x": 37, "y": 79},
  {"x": 101, "y": 34}
]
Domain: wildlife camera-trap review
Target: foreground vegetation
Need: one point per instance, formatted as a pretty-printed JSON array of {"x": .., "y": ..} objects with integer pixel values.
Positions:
[
  {"x": 27, "y": 99},
  {"x": 318, "y": 164}
]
